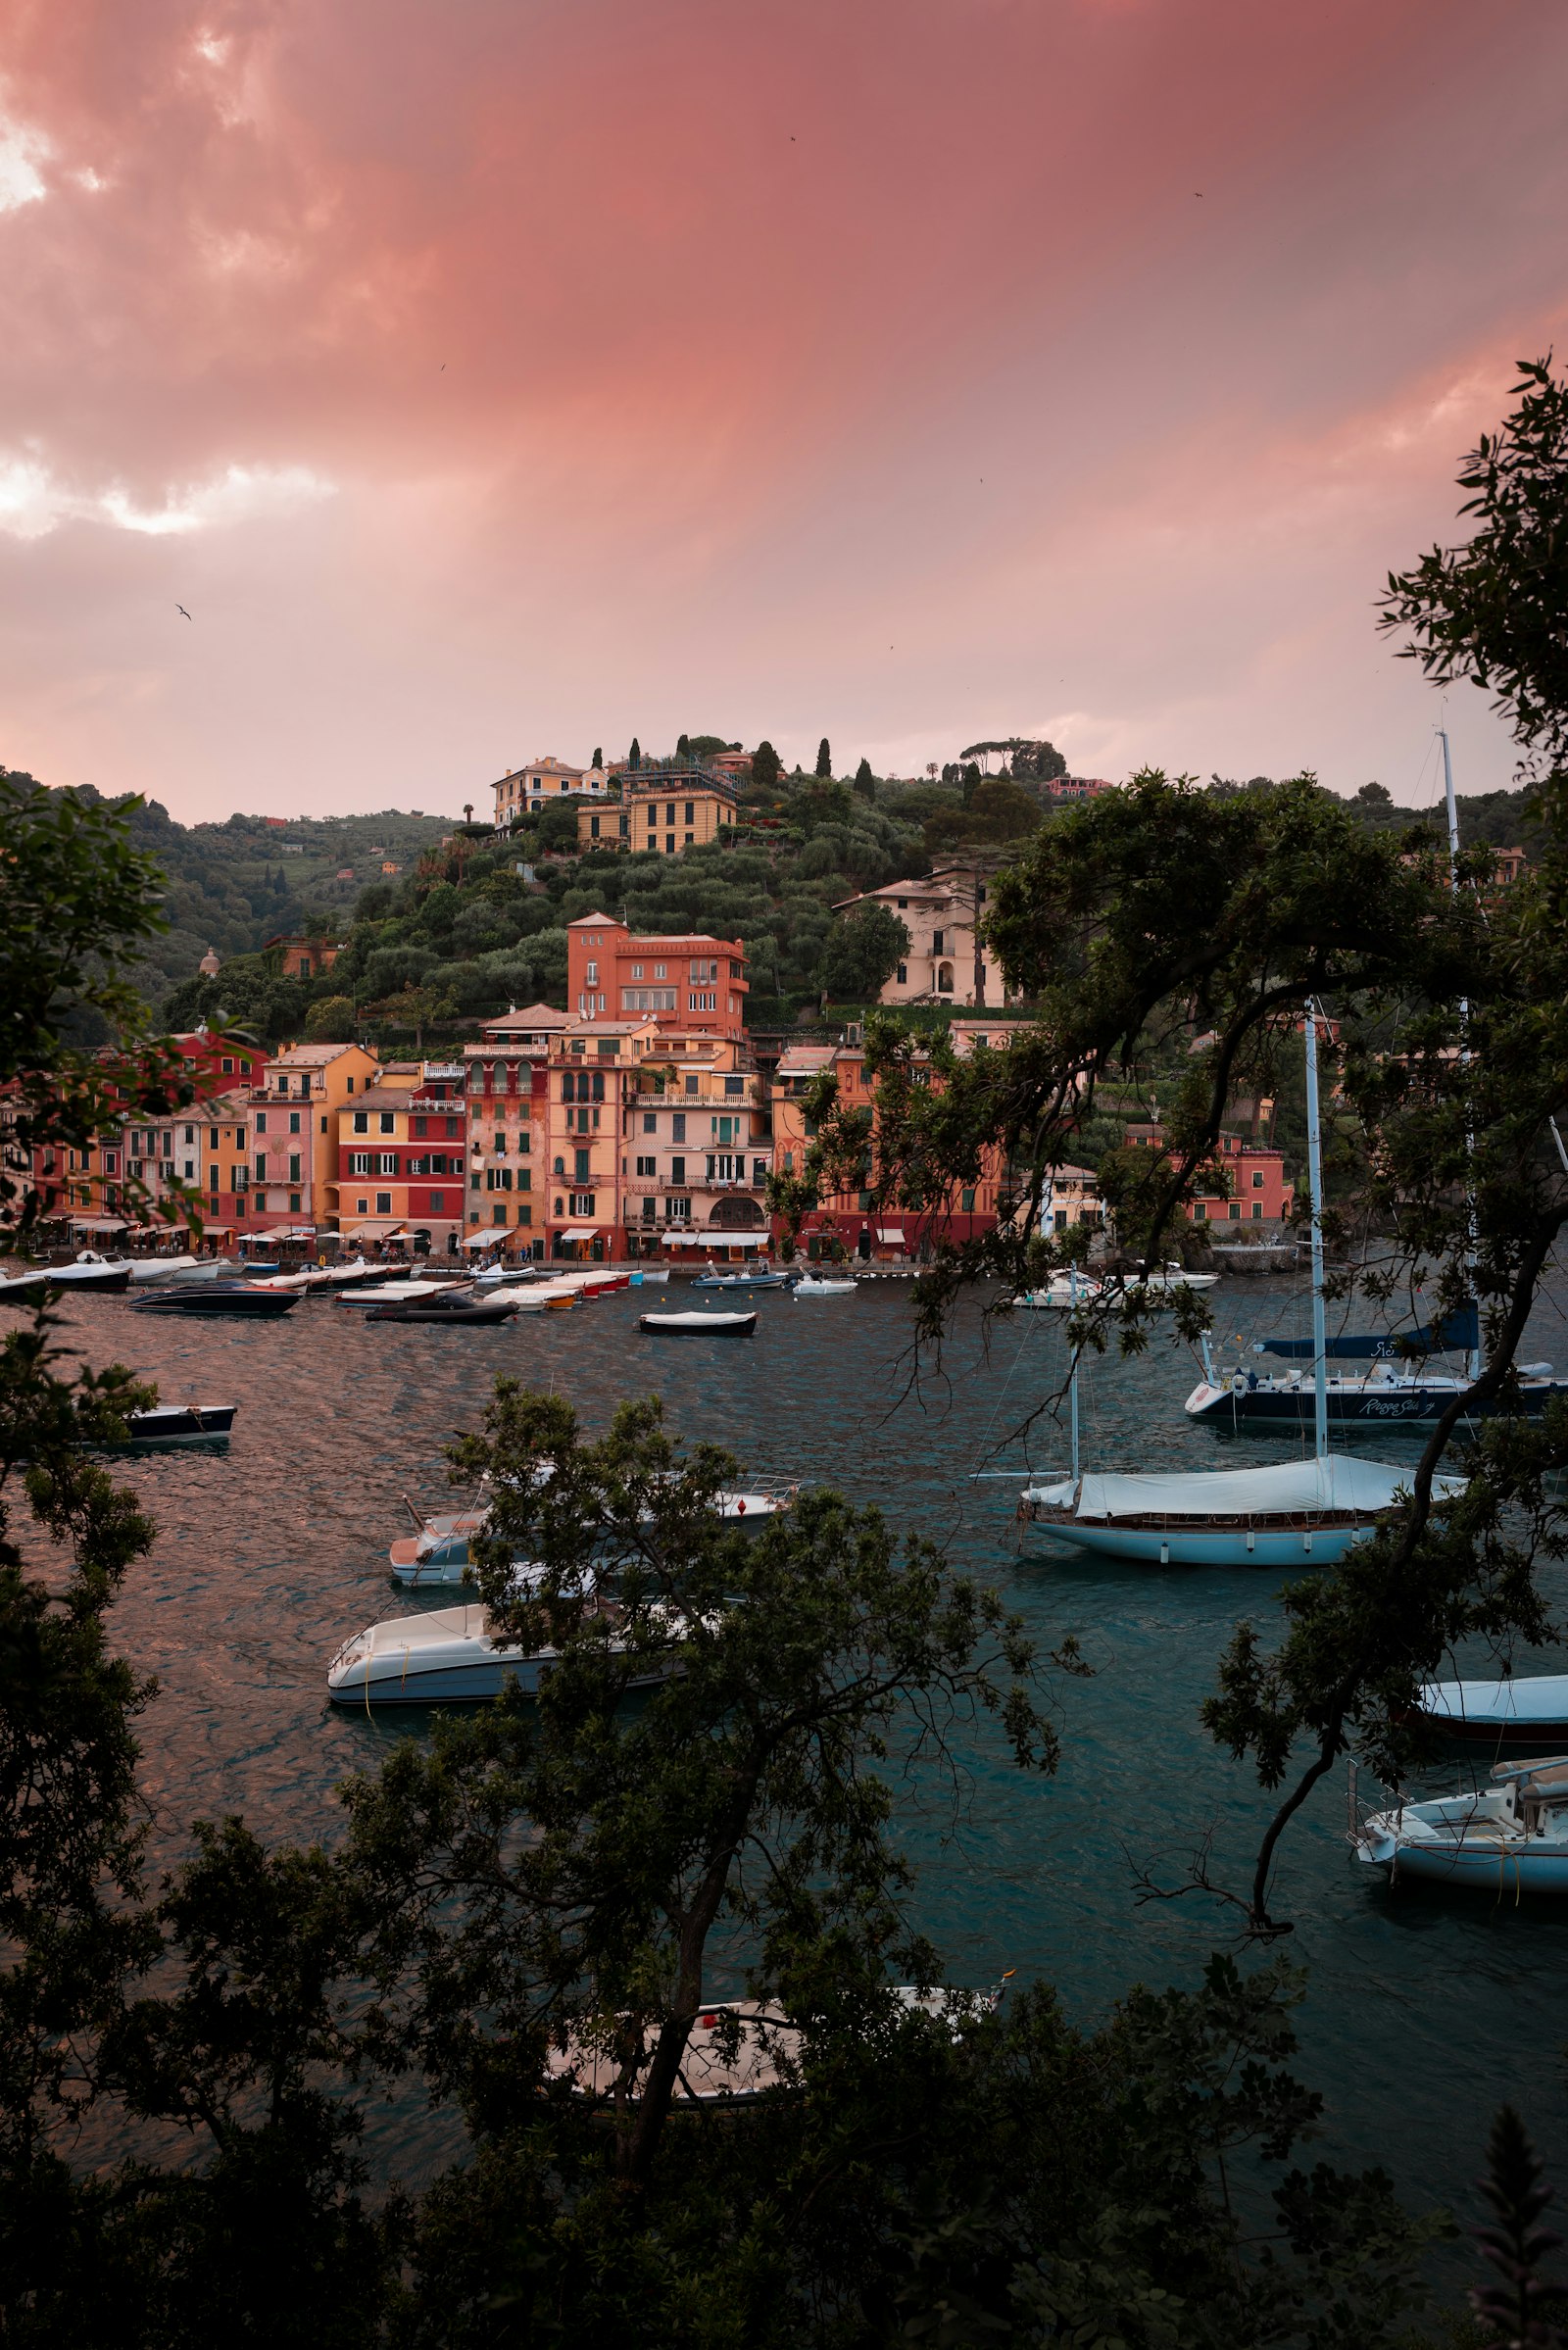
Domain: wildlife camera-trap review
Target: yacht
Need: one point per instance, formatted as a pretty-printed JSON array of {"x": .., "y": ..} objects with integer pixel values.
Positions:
[{"x": 1507, "y": 1839}]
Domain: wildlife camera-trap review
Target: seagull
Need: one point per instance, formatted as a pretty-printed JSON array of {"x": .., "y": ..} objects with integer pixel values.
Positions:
[{"x": 182, "y": 608}]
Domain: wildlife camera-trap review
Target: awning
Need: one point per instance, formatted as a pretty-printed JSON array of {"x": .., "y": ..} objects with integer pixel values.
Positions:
[
  {"x": 486, "y": 1239},
  {"x": 687, "y": 1239},
  {"x": 362, "y": 1232},
  {"x": 97, "y": 1223},
  {"x": 579, "y": 1232},
  {"x": 400, "y": 1233},
  {"x": 885, "y": 1232}
]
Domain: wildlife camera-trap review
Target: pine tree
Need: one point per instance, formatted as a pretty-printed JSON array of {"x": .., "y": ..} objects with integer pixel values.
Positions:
[{"x": 824, "y": 757}]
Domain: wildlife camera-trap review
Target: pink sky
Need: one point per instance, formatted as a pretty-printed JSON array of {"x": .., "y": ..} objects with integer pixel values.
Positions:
[{"x": 490, "y": 377}]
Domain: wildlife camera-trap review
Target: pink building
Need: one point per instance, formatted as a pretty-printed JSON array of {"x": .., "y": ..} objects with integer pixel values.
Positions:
[{"x": 692, "y": 984}]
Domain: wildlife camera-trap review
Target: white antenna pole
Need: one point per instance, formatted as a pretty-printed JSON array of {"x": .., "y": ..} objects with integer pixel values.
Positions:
[
  {"x": 1315, "y": 1177},
  {"x": 1464, "y": 1024}
]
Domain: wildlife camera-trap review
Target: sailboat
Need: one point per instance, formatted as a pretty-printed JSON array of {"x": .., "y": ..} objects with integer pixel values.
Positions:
[
  {"x": 1294, "y": 1513},
  {"x": 1400, "y": 1387}
]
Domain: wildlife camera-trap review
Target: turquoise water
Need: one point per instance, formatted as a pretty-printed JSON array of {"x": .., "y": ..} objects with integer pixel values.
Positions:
[{"x": 1424, "y": 2011}]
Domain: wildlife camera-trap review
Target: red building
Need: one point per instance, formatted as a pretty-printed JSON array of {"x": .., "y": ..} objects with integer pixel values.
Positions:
[
  {"x": 1256, "y": 1189},
  {"x": 694, "y": 984}
]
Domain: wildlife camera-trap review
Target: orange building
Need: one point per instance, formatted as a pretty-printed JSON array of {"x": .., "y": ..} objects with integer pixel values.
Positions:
[
  {"x": 1256, "y": 1189},
  {"x": 697, "y": 1150},
  {"x": 670, "y": 806},
  {"x": 401, "y": 1159},
  {"x": 507, "y": 1095},
  {"x": 693, "y": 985}
]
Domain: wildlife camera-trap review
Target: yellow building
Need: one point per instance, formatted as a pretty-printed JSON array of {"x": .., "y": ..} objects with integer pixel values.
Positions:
[{"x": 670, "y": 806}]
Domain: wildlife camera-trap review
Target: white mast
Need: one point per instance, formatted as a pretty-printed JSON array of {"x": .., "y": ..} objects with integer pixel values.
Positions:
[
  {"x": 1072, "y": 1383},
  {"x": 1315, "y": 1177},
  {"x": 1475, "y": 1360}
]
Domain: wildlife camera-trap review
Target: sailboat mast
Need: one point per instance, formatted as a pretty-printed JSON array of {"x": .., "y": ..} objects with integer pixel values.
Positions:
[
  {"x": 1464, "y": 1022},
  {"x": 1314, "y": 1179},
  {"x": 1072, "y": 1380}
]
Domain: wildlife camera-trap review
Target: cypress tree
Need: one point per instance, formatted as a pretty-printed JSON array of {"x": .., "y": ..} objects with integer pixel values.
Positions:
[
  {"x": 824, "y": 757},
  {"x": 634, "y": 757}
]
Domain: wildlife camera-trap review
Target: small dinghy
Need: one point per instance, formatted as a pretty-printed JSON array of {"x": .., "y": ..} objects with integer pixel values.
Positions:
[
  {"x": 698, "y": 1325},
  {"x": 1532, "y": 1708},
  {"x": 1509, "y": 1839},
  {"x": 817, "y": 1285},
  {"x": 248, "y": 1298},
  {"x": 447, "y": 1307},
  {"x": 181, "y": 1424},
  {"x": 1300, "y": 1513},
  {"x": 450, "y": 1657},
  {"x": 764, "y": 1278}
]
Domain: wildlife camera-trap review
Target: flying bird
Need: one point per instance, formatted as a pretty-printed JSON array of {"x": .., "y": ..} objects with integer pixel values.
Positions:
[{"x": 182, "y": 608}]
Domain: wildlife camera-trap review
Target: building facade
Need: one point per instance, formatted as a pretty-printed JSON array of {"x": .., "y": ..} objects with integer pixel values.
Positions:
[
  {"x": 1254, "y": 1188},
  {"x": 669, "y": 806},
  {"x": 293, "y": 1117},
  {"x": 692, "y": 985},
  {"x": 697, "y": 1149},
  {"x": 524, "y": 791},
  {"x": 401, "y": 1159},
  {"x": 940, "y": 914},
  {"x": 129, "y": 1171},
  {"x": 508, "y": 1093}
]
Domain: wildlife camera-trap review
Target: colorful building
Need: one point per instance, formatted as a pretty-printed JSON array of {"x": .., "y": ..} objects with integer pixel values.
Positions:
[
  {"x": 293, "y": 1116},
  {"x": 524, "y": 791},
  {"x": 669, "y": 806},
  {"x": 594, "y": 1071},
  {"x": 697, "y": 1150},
  {"x": 940, "y": 916},
  {"x": 128, "y": 1171},
  {"x": 400, "y": 1159},
  {"x": 1255, "y": 1188},
  {"x": 692, "y": 985},
  {"x": 506, "y": 1087}
]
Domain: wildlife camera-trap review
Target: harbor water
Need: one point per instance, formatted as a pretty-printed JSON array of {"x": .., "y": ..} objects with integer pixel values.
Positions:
[{"x": 1423, "y": 2010}]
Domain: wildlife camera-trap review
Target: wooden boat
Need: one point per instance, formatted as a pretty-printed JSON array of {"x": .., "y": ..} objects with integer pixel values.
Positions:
[
  {"x": 447, "y": 1307},
  {"x": 1505, "y": 1839},
  {"x": 245, "y": 1297},
  {"x": 1530, "y": 1708},
  {"x": 698, "y": 1325}
]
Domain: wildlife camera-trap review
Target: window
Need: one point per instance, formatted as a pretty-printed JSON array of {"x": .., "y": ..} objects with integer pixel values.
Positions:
[
  {"x": 438, "y": 1203},
  {"x": 724, "y": 1167},
  {"x": 760, "y": 1172},
  {"x": 422, "y": 1127},
  {"x": 1236, "y": 1211},
  {"x": 592, "y": 974},
  {"x": 636, "y": 970},
  {"x": 677, "y": 1212},
  {"x": 660, "y": 971},
  {"x": 294, "y": 1203},
  {"x": 1258, "y": 1179},
  {"x": 294, "y": 1167},
  {"x": 260, "y": 1166},
  {"x": 260, "y": 1126},
  {"x": 473, "y": 1182},
  {"x": 454, "y": 1128},
  {"x": 1258, "y": 1212},
  {"x": 646, "y": 999},
  {"x": 650, "y": 1122},
  {"x": 692, "y": 1084},
  {"x": 361, "y": 1121},
  {"x": 677, "y": 1127},
  {"x": 648, "y": 1166},
  {"x": 229, "y": 1068},
  {"x": 260, "y": 1203},
  {"x": 735, "y": 1085},
  {"x": 581, "y": 1165},
  {"x": 902, "y": 904},
  {"x": 1200, "y": 1213},
  {"x": 936, "y": 946},
  {"x": 704, "y": 999},
  {"x": 362, "y": 1207},
  {"x": 359, "y": 1162},
  {"x": 677, "y": 1170},
  {"x": 351, "y": 1084},
  {"x": 649, "y": 1210},
  {"x": 966, "y": 1199},
  {"x": 582, "y": 1204},
  {"x": 383, "y": 1203},
  {"x": 293, "y": 1121},
  {"x": 389, "y": 1124}
]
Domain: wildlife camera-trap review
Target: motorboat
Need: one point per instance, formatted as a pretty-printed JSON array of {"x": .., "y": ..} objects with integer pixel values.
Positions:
[
  {"x": 449, "y": 1656},
  {"x": 391, "y": 1293},
  {"x": 1529, "y": 1706},
  {"x": 148, "y": 1269},
  {"x": 548, "y": 1296},
  {"x": 1062, "y": 1293},
  {"x": 821, "y": 1285},
  {"x": 762, "y": 1278},
  {"x": 447, "y": 1307},
  {"x": 1172, "y": 1280},
  {"x": 181, "y": 1424},
  {"x": 440, "y": 1554},
  {"x": 244, "y": 1297},
  {"x": 698, "y": 1325},
  {"x": 1300, "y": 1513},
  {"x": 1510, "y": 1837},
  {"x": 648, "y": 1276},
  {"x": 90, "y": 1270}
]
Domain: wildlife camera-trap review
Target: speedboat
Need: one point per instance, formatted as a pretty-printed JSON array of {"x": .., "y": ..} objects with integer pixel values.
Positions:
[
  {"x": 440, "y": 1554},
  {"x": 248, "y": 1298},
  {"x": 450, "y": 1657},
  {"x": 698, "y": 1325},
  {"x": 446, "y": 1306},
  {"x": 1532, "y": 1707},
  {"x": 1300, "y": 1513},
  {"x": 820, "y": 1285},
  {"x": 1508, "y": 1838},
  {"x": 1157, "y": 1289}
]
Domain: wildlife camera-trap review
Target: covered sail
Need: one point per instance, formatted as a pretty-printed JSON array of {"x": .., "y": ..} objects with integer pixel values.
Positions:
[
  {"x": 1337, "y": 1483},
  {"x": 1456, "y": 1333}
]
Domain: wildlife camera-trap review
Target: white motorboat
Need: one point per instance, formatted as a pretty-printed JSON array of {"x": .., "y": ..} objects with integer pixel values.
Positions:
[
  {"x": 440, "y": 1554},
  {"x": 22, "y": 1289},
  {"x": 1530, "y": 1707},
  {"x": 1061, "y": 1294},
  {"x": 450, "y": 1657},
  {"x": 1157, "y": 1289},
  {"x": 145, "y": 1269},
  {"x": 698, "y": 1325},
  {"x": 380, "y": 1292},
  {"x": 1509, "y": 1839},
  {"x": 92, "y": 1271},
  {"x": 821, "y": 1285},
  {"x": 1300, "y": 1513}
]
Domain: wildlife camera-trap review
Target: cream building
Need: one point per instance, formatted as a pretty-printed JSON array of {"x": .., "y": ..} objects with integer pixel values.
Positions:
[{"x": 940, "y": 916}]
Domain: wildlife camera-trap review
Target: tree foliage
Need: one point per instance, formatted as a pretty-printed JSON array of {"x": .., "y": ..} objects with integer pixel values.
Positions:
[{"x": 863, "y": 952}]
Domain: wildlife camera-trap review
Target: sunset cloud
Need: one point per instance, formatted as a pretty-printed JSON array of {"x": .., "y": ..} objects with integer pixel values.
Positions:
[{"x": 510, "y": 376}]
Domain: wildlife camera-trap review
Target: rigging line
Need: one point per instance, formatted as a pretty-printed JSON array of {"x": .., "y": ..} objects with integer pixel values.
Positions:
[{"x": 980, "y": 1449}]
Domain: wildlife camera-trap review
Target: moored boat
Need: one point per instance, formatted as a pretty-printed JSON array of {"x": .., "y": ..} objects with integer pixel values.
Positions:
[
  {"x": 452, "y": 1657},
  {"x": 181, "y": 1424},
  {"x": 248, "y": 1299},
  {"x": 821, "y": 1285},
  {"x": 92, "y": 1271},
  {"x": 1529, "y": 1707},
  {"x": 1509, "y": 1839},
  {"x": 698, "y": 1325},
  {"x": 448, "y": 1308},
  {"x": 440, "y": 1554},
  {"x": 762, "y": 1278}
]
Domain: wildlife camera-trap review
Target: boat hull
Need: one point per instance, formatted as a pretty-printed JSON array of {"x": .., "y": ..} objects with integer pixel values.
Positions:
[
  {"x": 1529, "y": 1711},
  {"x": 1377, "y": 1405},
  {"x": 1209, "y": 1546},
  {"x": 698, "y": 1326},
  {"x": 247, "y": 1300},
  {"x": 1503, "y": 1866}
]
